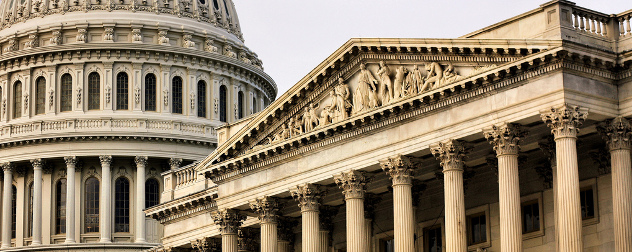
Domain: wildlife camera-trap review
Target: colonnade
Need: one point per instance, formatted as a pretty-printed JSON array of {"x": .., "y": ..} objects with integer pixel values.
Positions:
[
  {"x": 105, "y": 201},
  {"x": 505, "y": 139}
]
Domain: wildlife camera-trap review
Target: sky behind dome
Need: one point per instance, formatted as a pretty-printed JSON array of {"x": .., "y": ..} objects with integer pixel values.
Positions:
[{"x": 292, "y": 37}]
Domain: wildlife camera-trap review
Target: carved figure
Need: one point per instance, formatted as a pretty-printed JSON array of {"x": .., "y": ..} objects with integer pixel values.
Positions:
[
  {"x": 209, "y": 46},
  {"x": 449, "y": 75},
  {"x": 56, "y": 39},
  {"x": 108, "y": 35},
  {"x": 325, "y": 116},
  {"x": 243, "y": 57},
  {"x": 228, "y": 51},
  {"x": 342, "y": 103},
  {"x": 137, "y": 36},
  {"x": 398, "y": 86},
  {"x": 294, "y": 128},
  {"x": 386, "y": 89},
  {"x": 435, "y": 74},
  {"x": 162, "y": 38},
  {"x": 12, "y": 45},
  {"x": 307, "y": 120},
  {"x": 365, "y": 94},
  {"x": 417, "y": 80},
  {"x": 81, "y": 35},
  {"x": 407, "y": 86},
  {"x": 188, "y": 41},
  {"x": 32, "y": 42}
]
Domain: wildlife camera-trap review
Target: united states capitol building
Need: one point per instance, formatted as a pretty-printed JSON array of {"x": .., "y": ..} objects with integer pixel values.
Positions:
[{"x": 133, "y": 125}]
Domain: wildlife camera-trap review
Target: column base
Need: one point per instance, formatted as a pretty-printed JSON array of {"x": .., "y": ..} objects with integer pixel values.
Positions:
[
  {"x": 105, "y": 240},
  {"x": 69, "y": 241},
  {"x": 36, "y": 243},
  {"x": 140, "y": 241}
]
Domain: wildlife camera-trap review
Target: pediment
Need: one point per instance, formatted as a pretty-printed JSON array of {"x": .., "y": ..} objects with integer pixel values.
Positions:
[{"x": 364, "y": 76}]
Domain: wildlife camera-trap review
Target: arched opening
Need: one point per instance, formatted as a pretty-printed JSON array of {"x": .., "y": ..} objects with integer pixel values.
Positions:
[
  {"x": 222, "y": 103},
  {"x": 17, "y": 99},
  {"x": 40, "y": 95},
  {"x": 60, "y": 207},
  {"x": 91, "y": 222},
  {"x": 152, "y": 192},
  {"x": 201, "y": 94}
]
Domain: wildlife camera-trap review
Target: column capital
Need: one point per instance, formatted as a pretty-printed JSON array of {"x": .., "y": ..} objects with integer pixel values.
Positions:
[
  {"x": 105, "y": 159},
  {"x": 399, "y": 168},
  {"x": 505, "y": 138},
  {"x": 266, "y": 209},
  {"x": 564, "y": 121},
  {"x": 307, "y": 196},
  {"x": 207, "y": 244},
  {"x": 352, "y": 183},
  {"x": 8, "y": 167},
  {"x": 37, "y": 163},
  {"x": 450, "y": 153},
  {"x": 616, "y": 132},
  {"x": 140, "y": 160},
  {"x": 228, "y": 220},
  {"x": 70, "y": 160},
  {"x": 175, "y": 163}
]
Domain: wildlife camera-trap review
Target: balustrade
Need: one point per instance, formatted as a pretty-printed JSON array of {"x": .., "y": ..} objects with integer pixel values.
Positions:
[
  {"x": 590, "y": 22},
  {"x": 185, "y": 176},
  {"x": 624, "y": 23}
]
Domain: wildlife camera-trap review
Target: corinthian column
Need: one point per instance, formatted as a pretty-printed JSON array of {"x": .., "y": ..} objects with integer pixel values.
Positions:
[
  {"x": 71, "y": 163},
  {"x": 141, "y": 162},
  {"x": 266, "y": 209},
  {"x": 548, "y": 147},
  {"x": 450, "y": 154},
  {"x": 506, "y": 141},
  {"x": 6, "y": 205},
  {"x": 307, "y": 196},
  {"x": 353, "y": 184},
  {"x": 400, "y": 170},
  {"x": 617, "y": 133},
  {"x": 37, "y": 201},
  {"x": 564, "y": 123},
  {"x": 106, "y": 197},
  {"x": 229, "y": 221}
]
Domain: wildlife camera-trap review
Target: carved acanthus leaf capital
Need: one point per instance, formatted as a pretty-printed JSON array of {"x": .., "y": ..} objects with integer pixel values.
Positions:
[
  {"x": 266, "y": 209},
  {"x": 505, "y": 138},
  {"x": 140, "y": 160},
  {"x": 37, "y": 163},
  {"x": 228, "y": 220},
  {"x": 616, "y": 132},
  {"x": 70, "y": 160},
  {"x": 565, "y": 121},
  {"x": 352, "y": 183},
  {"x": 175, "y": 163},
  {"x": 399, "y": 168},
  {"x": 207, "y": 244},
  {"x": 105, "y": 159},
  {"x": 450, "y": 153},
  {"x": 8, "y": 167},
  {"x": 307, "y": 195}
]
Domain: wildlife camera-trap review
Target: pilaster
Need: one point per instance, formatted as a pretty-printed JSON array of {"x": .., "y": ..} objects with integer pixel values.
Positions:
[{"x": 105, "y": 225}]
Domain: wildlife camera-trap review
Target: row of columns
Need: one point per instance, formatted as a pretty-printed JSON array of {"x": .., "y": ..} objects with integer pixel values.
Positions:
[
  {"x": 564, "y": 123},
  {"x": 105, "y": 212}
]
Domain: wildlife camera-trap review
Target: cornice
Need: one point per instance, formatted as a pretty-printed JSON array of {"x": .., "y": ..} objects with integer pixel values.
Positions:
[
  {"x": 47, "y": 140},
  {"x": 184, "y": 207}
]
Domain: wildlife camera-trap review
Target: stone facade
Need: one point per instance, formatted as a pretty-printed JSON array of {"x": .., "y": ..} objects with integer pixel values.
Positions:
[{"x": 447, "y": 135}]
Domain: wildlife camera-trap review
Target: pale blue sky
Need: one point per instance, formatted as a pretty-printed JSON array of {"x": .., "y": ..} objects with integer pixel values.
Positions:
[{"x": 294, "y": 36}]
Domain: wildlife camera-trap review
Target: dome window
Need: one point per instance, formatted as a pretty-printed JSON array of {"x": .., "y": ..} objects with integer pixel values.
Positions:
[
  {"x": 150, "y": 92},
  {"x": 201, "y": 98},
  {"x": 122, "y": 91},
  {"x": 222, "y": 103},
  {"x": 40, "y": 95},
  {"x": 66, "y": 92},
  {"x": 176, "y": 98},
  {"x": 94, "y": 91},
  {"x": 17, "y": 99}
]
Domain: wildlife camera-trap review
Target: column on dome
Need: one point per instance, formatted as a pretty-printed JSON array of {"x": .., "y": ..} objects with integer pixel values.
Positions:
[
  {"x": 564, "y": 122},
  {"x": 141, "y": 163},
  {"x": 506, "y": 140},
  {"x": 353, "y": 185},
  {"x": 617, "y": 133},
  {"x": 71, "y": 162},
  {"x": 400, "y": 170},
  {"x": 308, "y": 197},
  {"x": 229, "y": 221},
  {"x": 136, "y": 93},
  {"x": 450, "y": 153},
  {"x": 37, "y": 201},
  {"x": 107, "y": 88},
  {"x": 6, "y": 205},
  {"x": 267, "y": 209},
  {"x": 105, "y": 225}
]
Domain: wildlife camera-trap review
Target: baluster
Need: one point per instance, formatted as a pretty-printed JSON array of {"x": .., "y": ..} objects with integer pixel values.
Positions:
[
  {"x": 621, "y": 30},
  {"x": 590, "y": 27},
  {"x": 605, "y": 27},
  {"x": 593, "y": 28},
  {"x": 581, "y": 23},
  {"x": 576, "y": 23},
  {"x": 628, "y": 30}
]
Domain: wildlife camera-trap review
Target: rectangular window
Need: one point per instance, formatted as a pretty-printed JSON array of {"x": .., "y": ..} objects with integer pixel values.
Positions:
[
  {"x": 530, "y": 217},
  {"x": 477, "y": 227},
  {"x": 587, "y": 203},
  {"x": 433, "y": 239}
]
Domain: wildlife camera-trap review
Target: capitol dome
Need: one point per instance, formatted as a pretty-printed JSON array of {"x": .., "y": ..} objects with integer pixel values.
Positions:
[{"x": 98, "y": 98}]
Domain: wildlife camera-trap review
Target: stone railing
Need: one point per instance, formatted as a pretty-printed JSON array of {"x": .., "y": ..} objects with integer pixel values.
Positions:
[
  {"x": 592, "y": 22},
  {"x": 185, "y": 176},
  {"x": 624, "y": 19},
  {"x": 145, "y": 127}
]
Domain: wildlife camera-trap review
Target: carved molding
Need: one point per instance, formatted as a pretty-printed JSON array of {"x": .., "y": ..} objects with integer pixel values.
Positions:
[
  {"x": 352, "y": 183},
  {"x": 565, "y": 121},
  {"x": 229, "y": 220},
  {"x": 616, "y": 132},
  {"x": 505, "y": 138},
  {"x": 266, "y": 209},
  {"x": 307, "y": 195}
]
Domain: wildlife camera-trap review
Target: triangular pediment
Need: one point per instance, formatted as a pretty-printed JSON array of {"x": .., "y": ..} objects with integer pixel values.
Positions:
[{"x": 366, "y": 75}]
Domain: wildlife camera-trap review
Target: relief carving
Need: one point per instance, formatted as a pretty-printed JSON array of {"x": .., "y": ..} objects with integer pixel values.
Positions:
[
  {"x": 56, "y": 39},
  {"x": 108, "y": 35},
  {"x": 32, "y": 42},
  {"x": 162, "y": 38},
  {"x": 188, "y": 41},
  {"x": 228, "y": 52},
  {"x": 209, "y": 46},
  {"x": 137, "y": 36},
  {"x": 365, "y": 96},
  {"x": 81, "y": 35}
]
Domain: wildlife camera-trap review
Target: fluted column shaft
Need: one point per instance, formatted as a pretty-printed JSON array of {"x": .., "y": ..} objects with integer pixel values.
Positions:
[
  {"x": 352, "y": 184},
  {"x": 400, "y": 170},
  {"x": 451, "y": 153},
  {"x": 506, "y": 141},
  {"x": 6, "y": 206},
  {"x": 564, "y": 123},
  {"x": 70, "y": 198},
  {"x": 617, "y": 134},
  {"x": 323, "y": 237},
  {"x": 141, "y": 162},
  {"x": 267, "y": 208},
  {"x": 284, "y": 246},
  {"x": 269, "y": 237},
  {"x": 229, "y": 242},
  {"x": 37, "y": 202},
  {"x": 105, "y": 211},
  {"x": 308, "y": 196}
]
